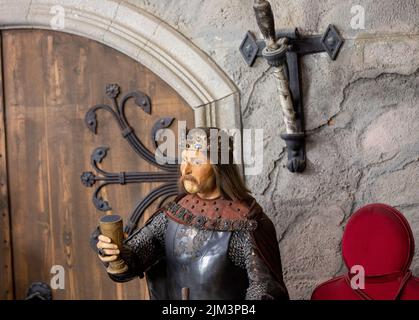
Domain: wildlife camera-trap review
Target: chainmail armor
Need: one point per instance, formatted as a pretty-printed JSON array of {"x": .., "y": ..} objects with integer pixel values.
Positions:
[
  {"x": 237, "y": 249},
  {"x": 157, "y": 227},
  {"x": 243, "y": 255},
  {"x": 146, "y": 243}
]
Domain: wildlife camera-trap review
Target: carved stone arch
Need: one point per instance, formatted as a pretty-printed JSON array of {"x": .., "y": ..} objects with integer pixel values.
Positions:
[{"x": 145, "y": 38}]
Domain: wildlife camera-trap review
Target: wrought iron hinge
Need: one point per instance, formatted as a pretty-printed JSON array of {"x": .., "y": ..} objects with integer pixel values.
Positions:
[{"x": 169, "y": 173}]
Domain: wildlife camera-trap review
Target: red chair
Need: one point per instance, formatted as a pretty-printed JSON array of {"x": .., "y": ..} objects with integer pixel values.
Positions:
[{"x": 378, "y": 238}]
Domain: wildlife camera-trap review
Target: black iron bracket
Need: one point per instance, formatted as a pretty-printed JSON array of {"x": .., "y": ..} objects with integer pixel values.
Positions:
[{"x": 298, "y": 46}]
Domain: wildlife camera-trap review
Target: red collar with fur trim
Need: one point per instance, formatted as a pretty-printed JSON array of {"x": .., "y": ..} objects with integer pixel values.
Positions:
[{"x": 216, "y": 214}]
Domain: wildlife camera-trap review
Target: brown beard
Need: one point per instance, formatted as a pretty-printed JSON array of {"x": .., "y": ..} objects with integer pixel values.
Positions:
[
  {"x": 183, "y": 179},
  {"x": 189, "y": 184},
  {"x": 203, "y": 187},
  {"x": 188, "y": 177}
]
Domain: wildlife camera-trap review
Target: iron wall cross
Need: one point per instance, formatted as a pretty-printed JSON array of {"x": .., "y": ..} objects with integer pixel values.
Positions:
[
  {"x": 283, "y": 49},
  {"x": 169, "y": 172}
]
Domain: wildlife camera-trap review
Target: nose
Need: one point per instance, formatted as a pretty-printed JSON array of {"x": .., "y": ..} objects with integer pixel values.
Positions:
[{"x": 186, "y": 169}]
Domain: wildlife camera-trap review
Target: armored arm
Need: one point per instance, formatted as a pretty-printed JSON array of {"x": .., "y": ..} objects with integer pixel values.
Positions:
[
  {"x": 262, "y": 284},
  {"x": 142, "y": 249}
]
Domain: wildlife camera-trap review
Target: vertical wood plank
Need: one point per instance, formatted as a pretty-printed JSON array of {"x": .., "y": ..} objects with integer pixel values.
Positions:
[
  {"x": 6, "y": 269},
  {"x": 51, "y": 80}
]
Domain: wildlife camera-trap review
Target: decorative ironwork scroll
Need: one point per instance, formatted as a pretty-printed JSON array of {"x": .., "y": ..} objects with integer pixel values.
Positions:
[{"x": 169, "y": 172}]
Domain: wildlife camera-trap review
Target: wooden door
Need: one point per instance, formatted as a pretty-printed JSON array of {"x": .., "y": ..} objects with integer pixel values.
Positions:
[{"x": 50, "y": 80}]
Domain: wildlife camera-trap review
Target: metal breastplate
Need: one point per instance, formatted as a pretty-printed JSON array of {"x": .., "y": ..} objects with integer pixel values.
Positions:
[{"x": 198, "y": 259}]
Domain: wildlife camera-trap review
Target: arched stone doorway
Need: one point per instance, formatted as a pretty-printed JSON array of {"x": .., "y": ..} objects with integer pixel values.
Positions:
[{"x": 146, "y": 39}]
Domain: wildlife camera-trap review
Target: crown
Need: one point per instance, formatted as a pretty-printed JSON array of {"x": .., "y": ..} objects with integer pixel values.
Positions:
[{"x": 202, "y": 141}]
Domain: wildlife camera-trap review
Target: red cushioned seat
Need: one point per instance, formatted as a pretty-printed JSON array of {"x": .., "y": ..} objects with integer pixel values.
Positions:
[{"x": 378, "y": 238}]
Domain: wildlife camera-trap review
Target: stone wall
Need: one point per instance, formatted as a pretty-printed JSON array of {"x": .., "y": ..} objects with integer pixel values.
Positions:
[{"x": 362, "y": 119}]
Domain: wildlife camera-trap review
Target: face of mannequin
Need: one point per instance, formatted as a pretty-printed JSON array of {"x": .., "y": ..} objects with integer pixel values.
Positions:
[{"x": 197, "y": 174}]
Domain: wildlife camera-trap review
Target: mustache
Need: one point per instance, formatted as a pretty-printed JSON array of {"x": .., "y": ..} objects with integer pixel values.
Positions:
[{"x": 188, "y": 178}]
